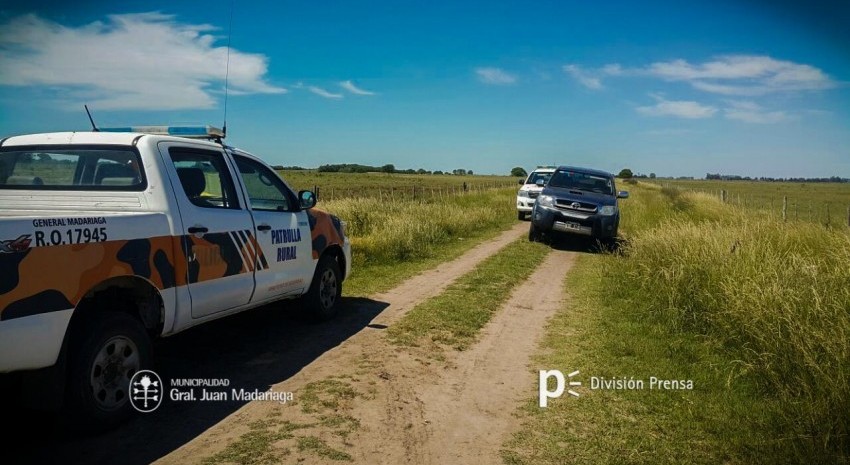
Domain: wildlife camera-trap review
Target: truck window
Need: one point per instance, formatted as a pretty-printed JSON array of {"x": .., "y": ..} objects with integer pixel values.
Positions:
[
  {"x": 205, "y": 178},
  {"x": 265, "y": 189},
  {"x": 71, "y": 169}
]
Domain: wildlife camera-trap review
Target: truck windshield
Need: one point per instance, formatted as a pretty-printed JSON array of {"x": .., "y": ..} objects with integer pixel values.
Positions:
[
  {"x": 582, "y": 182},
  {"x": 537, "y": 177},
  {"x": 110, "y": 169}
]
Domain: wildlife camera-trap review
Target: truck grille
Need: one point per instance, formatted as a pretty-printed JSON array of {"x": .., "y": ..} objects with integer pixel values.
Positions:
[
  {"x": 533, "y": 195},
  {"x": 575, "y": 205}
]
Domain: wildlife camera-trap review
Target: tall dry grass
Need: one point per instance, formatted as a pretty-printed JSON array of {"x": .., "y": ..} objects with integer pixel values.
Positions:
[
  {"x": 775, "y": 296},
  {"x": 387, "y": 232}
]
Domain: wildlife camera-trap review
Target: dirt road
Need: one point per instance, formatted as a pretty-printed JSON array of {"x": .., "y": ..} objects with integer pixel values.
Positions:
[
  {"x": 401, "y": 406},
  {"x": 377, "y": 403}
]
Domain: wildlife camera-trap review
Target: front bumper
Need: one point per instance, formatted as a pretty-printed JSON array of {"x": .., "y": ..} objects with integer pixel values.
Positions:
[
  {"x": 548, "y": 219},
  {"x": 524, "y": 204}
]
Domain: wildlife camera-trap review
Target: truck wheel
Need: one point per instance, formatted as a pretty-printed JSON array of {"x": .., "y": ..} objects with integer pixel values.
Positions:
[
  {"x": 321, "y": 302},
  {"x": 533, "y": 233},
  {"x": 105, "y": 354},
  {"x": 520, "y": 216}
]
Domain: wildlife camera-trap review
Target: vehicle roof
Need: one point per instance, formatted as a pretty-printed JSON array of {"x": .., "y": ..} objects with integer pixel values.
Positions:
[
  {"x": 90, "y": 138},
  {"x": 586, "y": 171},
  {"x": 543, "y": 170}
]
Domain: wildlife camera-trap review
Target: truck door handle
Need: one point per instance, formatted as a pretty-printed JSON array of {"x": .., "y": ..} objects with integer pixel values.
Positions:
[
  {"x": 198, "y": 229},
  {"x": 264, "y": 227}
]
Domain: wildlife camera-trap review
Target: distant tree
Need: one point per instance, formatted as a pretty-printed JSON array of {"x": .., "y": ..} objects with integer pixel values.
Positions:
[
  {"x": 625, "y": 173},
  {"x": 470, "y": 173},
  {"x": 438, "y": 172},
  {"x": 421, "y": 171},
  {"x": 651, "y": 175},
  {"x": 459, "y": 172},
  {"x": 519, "y": 172},
  {"x": 388, "y": 168}
]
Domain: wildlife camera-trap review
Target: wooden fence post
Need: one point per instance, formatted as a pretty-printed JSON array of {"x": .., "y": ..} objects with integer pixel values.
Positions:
[
  {"x": 785, "y": 208},
  {"x": 827, "y": 214}
]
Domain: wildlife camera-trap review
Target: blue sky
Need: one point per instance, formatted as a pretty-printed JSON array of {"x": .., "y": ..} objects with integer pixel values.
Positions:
[{"x": 739, "y": 87}]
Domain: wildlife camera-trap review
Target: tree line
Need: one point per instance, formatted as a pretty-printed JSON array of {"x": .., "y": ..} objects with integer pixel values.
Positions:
[
  {"x": 734, "y": 177},
  {"x": 358, "y": 168}
]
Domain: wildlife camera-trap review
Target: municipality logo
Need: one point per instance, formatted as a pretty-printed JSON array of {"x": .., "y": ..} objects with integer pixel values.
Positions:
[{"x": 146, "y": 387}]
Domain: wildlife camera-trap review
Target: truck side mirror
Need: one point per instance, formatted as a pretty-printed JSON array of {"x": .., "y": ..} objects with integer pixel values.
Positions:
[
  {"x": 541, "y": 182},
  {"x": 521, "y": 182},
  {"x": 307, "y": 199},
  {"x": 622, "y": 195}
]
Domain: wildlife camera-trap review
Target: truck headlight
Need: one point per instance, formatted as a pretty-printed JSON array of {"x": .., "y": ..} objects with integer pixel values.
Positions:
[
  {"x": 343, "y": 227},
  {"x": 522, "y": 194},
  {"x": 545, "y": 200},
  {"x": 608, "y": 210}
]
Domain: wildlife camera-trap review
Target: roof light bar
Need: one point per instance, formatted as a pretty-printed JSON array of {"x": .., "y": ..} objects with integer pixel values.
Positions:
[{"x": 195, "y": 132}]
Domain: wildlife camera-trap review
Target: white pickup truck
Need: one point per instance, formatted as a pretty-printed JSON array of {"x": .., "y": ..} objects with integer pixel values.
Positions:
[{"x": 110, "y": 239}]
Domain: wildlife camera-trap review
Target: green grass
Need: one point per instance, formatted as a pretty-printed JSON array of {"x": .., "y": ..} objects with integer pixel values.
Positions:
[
  {"x": 327, "y": 394},
  {"x": 823, "y": 203},
  {"x": 321, "y": 448},
  {"x": 257, "y": 446},
  {"x": 754, "y": 311},
  {"x": 455, "y": 317},
  {"x": 336, "y": 186},
  {"x": 393, "y": 241},
  {"x": 607, "y": 338}
]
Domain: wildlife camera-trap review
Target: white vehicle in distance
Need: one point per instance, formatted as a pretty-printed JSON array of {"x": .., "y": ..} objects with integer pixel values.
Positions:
[{"x": 529, "y": 191}]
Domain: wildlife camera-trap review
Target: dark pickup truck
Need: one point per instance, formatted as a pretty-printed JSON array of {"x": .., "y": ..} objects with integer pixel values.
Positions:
[{"x": 577, "y": 201}]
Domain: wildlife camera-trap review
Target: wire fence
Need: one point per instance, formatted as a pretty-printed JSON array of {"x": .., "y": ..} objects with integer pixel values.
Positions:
[
  {"x": 788, "y": 208},
  {"x": 407, "y": 193}
]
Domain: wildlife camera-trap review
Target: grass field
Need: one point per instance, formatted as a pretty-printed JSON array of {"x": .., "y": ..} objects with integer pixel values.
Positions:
[
  {"x": 335, "y": 186},
  {"x": 394, "y": 240},
  {"x": 754, "y": 312},
  {"x": 824, "y": 203}
]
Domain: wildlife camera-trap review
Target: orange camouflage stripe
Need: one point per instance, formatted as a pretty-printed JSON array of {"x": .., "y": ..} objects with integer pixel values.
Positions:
[{"x": 52, "y": 278}]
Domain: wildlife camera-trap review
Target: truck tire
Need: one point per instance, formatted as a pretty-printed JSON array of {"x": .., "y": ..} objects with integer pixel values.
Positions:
[
  {"x": 105, "y": 353},
  {"x": 520, "y": 216},
  {"x": 321, "y": 302},
  {"x": 533, "y": 233}
]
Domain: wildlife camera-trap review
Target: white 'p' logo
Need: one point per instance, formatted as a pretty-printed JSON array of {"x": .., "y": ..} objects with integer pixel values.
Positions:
[{"x": 560, "y": 384}]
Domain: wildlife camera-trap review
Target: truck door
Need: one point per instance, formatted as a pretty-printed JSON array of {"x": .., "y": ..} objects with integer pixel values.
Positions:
[
  {"x": 218, "y": 262},
  {"x": 285, "y": 260}
]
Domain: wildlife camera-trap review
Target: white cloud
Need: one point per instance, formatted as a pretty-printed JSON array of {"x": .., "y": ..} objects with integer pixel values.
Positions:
[
  {"x": 495, "y": 76},
  {"x": 747, "y": 75},
  {"x": 592, "y": 78},
  {"x": 677, "y": 108},
  {"x": 323, "y": 93},
  {"x": 583, "y": 77},
  {"x": 145, "y": 61},
  {"x": 613, "y": 69},
  {"x": 349, "y": 86},
  {"x": 751, "y": 112}
]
